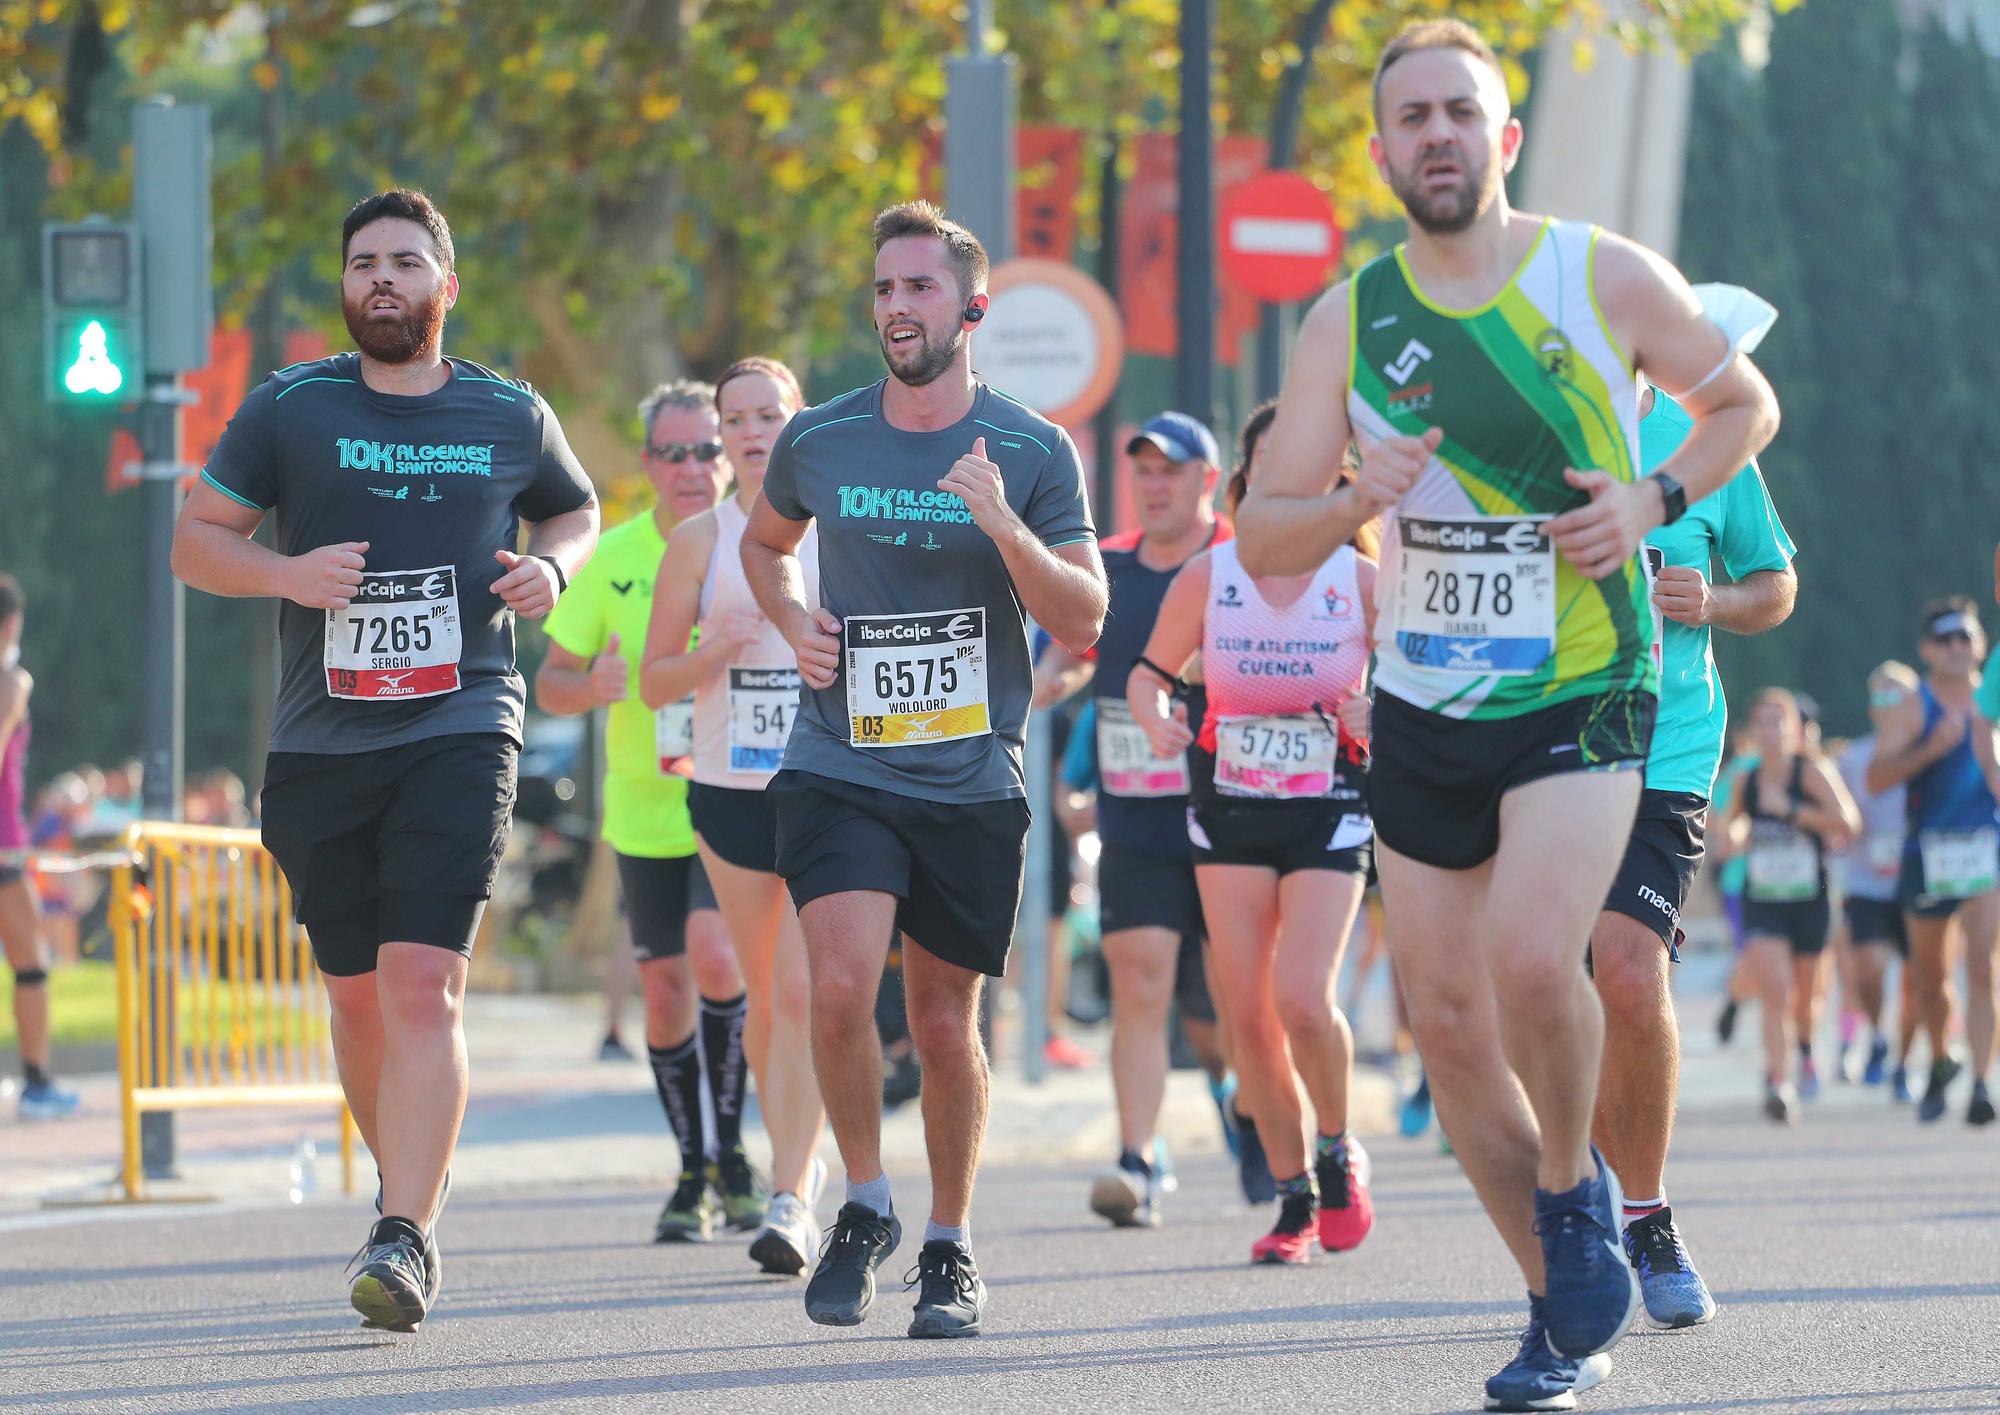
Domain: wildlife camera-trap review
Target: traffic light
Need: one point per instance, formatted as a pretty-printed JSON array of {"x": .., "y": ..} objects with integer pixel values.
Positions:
[{"x": 91, "y": 312}]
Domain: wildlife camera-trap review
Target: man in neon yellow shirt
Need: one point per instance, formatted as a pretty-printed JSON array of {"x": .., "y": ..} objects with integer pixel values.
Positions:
[{"x": 596, "y": 642}]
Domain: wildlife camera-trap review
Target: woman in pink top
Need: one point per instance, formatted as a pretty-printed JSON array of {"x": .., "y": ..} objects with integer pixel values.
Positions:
[
  {"x": 1282, "y": 846},
  {"x": 745, "y": 682}
]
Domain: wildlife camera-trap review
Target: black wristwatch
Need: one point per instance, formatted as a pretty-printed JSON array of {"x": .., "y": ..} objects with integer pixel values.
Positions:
[
  {"x": 562, "y": 580},
  {"x": 1673, "y": 495}
]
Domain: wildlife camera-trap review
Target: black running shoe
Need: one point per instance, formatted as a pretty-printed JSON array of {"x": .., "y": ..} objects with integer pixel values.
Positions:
[
  {"x": 393, "y": 1287},
  {"x": 1725, "y": 1022},
  {"x": 843, "y": 1286},
  {"x": 950, "y": 1296},
  {"x": 1943, "y": 1073},
  {"x": 1980, "y": 1111}
]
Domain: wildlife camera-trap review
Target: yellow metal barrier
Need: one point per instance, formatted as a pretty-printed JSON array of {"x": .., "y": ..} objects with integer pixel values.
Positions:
[{"x": 219, "y": 1001}]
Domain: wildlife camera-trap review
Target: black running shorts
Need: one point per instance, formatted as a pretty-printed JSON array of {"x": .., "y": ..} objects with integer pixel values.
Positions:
[
  {"x": 1877, "y": 921},
  {"x": 659, "y": 896},
  {"x": 740, "y": 826},
  {"x": 1284, "y": 836},
  {"x": 1136, "y": 890},
  {"x": 1660, "y": 862},
  {"x": 1435, "y": 782},
  {"x": 955, "y": 866},
  {"x": 398, "y": 845},
  {"x": 1801, "y": 923}
]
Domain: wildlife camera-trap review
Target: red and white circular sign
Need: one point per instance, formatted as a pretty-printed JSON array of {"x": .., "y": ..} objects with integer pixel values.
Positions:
[{"x": 1280, "y": 240}]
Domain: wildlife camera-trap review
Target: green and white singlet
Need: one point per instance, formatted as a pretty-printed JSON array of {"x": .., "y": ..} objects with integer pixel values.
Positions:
[{"x": 1476, "y": 614}]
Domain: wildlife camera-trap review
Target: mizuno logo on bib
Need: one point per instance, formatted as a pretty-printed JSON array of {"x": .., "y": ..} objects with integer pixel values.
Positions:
[
  {"x": 1475, "y": 594},
  {"x": 915, "y": 679},
  {"x": 398, "y": 638}
]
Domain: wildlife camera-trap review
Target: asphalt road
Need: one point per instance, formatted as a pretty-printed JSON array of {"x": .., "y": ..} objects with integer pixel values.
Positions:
[{"x": 1855, "y": 1260}]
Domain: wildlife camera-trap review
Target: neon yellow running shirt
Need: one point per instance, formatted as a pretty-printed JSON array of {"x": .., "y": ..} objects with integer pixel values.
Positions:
[
  {"x": 1476, "y": 613},
  {"x": 645, "y": 809}
]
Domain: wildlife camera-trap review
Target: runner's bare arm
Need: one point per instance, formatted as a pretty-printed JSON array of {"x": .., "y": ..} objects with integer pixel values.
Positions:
[
  {"x": 771, "y": 564},
  {"x": 1760, "y": 601},
  {"x": 1654, "y": 315},
  {"x": 1295, "y": 516},
  {"x": 670, "y": 671},
  {"x": 1060, "y": 675},
  {"x": 567, "y": 684},
  {"x": 213, "y": 552},
  {"x": 1062, "y": 586},
  {"x": 1175, "y": 640},
  {"x": 1828, "y": 810},
  {"x": 15, "y": 687},
  {"x": 528, "y": 585},
  {"x": 1903, "y": 748}
]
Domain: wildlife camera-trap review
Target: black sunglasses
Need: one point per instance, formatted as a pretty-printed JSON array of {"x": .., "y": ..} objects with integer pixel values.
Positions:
[{"x": 681, "y": 451}]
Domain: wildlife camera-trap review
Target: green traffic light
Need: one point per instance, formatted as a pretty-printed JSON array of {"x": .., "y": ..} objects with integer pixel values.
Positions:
[{"x": 94, "y": 370}]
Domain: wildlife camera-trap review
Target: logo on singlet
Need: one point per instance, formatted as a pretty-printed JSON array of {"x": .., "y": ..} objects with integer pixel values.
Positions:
[
  {"x": 1230, "y": 599},
  {"x": 1406, "y": 363},
  {"x": 1555, "y": 353}
]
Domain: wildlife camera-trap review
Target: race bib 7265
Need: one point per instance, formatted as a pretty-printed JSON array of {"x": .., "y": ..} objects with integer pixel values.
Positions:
[{"x": 398, "y": 638}]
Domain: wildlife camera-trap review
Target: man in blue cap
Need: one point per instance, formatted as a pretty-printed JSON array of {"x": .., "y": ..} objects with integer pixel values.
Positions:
[{"x": 1151, "y": 912}]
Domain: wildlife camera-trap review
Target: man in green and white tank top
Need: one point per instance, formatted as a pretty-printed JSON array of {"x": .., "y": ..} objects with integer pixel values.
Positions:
[{"x": 1488, "y": 370}]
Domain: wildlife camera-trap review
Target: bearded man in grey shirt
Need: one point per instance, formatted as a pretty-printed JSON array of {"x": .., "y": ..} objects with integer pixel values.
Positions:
[{"x": 947, "y": 513}]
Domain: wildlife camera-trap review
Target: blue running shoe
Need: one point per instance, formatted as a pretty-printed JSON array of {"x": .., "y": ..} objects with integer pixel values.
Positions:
[
  {"x": 1416, "y": 1116},
  {"x": 45, "y": 1100},
  {"x": 1163, "y": 1166},
  {"x": 1808, "y": 1079},
  {"x": 1878, "y": 1063},
  {"x": 1537, "y": 1378},
  {"x": 1899, "y": 1086},
  {"x": 1675, "y": 1294},
  {"x": 1593, "y": 1293},
  {"x": 1223, "y": 1092},
  {"x": 1253, "y": 1170},
  {"x": 1930, "y": 1108}
]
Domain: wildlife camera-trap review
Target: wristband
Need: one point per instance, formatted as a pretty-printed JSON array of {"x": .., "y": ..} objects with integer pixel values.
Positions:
[{"x": 562, "y": 580}]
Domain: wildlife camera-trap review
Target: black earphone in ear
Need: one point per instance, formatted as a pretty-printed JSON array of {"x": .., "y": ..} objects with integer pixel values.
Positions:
[{"x": 974, "y": 313}]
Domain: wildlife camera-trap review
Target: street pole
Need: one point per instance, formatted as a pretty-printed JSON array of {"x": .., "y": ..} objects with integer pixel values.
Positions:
[
  {"x": 1195, "y": 380},
  {"x": 170, "y": 200},
  {"x": 979, "y": 155},
  {"x": 1285, "y": 117},
  {"x": 979, "y": 138},
  {"x": 1104, "y": 504}
]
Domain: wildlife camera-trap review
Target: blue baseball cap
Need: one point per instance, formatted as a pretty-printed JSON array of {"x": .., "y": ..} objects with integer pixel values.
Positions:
[{"x": 1180, "y": 437}]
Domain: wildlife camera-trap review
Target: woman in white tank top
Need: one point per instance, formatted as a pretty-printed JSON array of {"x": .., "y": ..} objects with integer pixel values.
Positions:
[
  {"x": 1282, "y": 845},
  {"x": 745, "y": 682}
]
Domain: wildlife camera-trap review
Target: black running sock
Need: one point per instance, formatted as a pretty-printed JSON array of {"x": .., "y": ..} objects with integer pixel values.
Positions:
[
  {"x": 677, "y": 1074},
  {"x": 1130, "y": 1161},
  {"x": 722, "y": 1049},
  {"x": 35, "y": 1075}
]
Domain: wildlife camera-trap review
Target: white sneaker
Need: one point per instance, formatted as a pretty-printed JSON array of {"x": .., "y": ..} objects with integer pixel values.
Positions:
[
  {"x": 789, "y": 1238},
  {"x": 790, "y": 1235}
]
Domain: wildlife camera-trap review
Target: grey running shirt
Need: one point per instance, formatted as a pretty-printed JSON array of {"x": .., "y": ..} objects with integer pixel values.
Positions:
[
  {"x": 932, "y": 697},
  {"x": 1872, "y": 864},
  {"x": 435, "y": 484}
]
